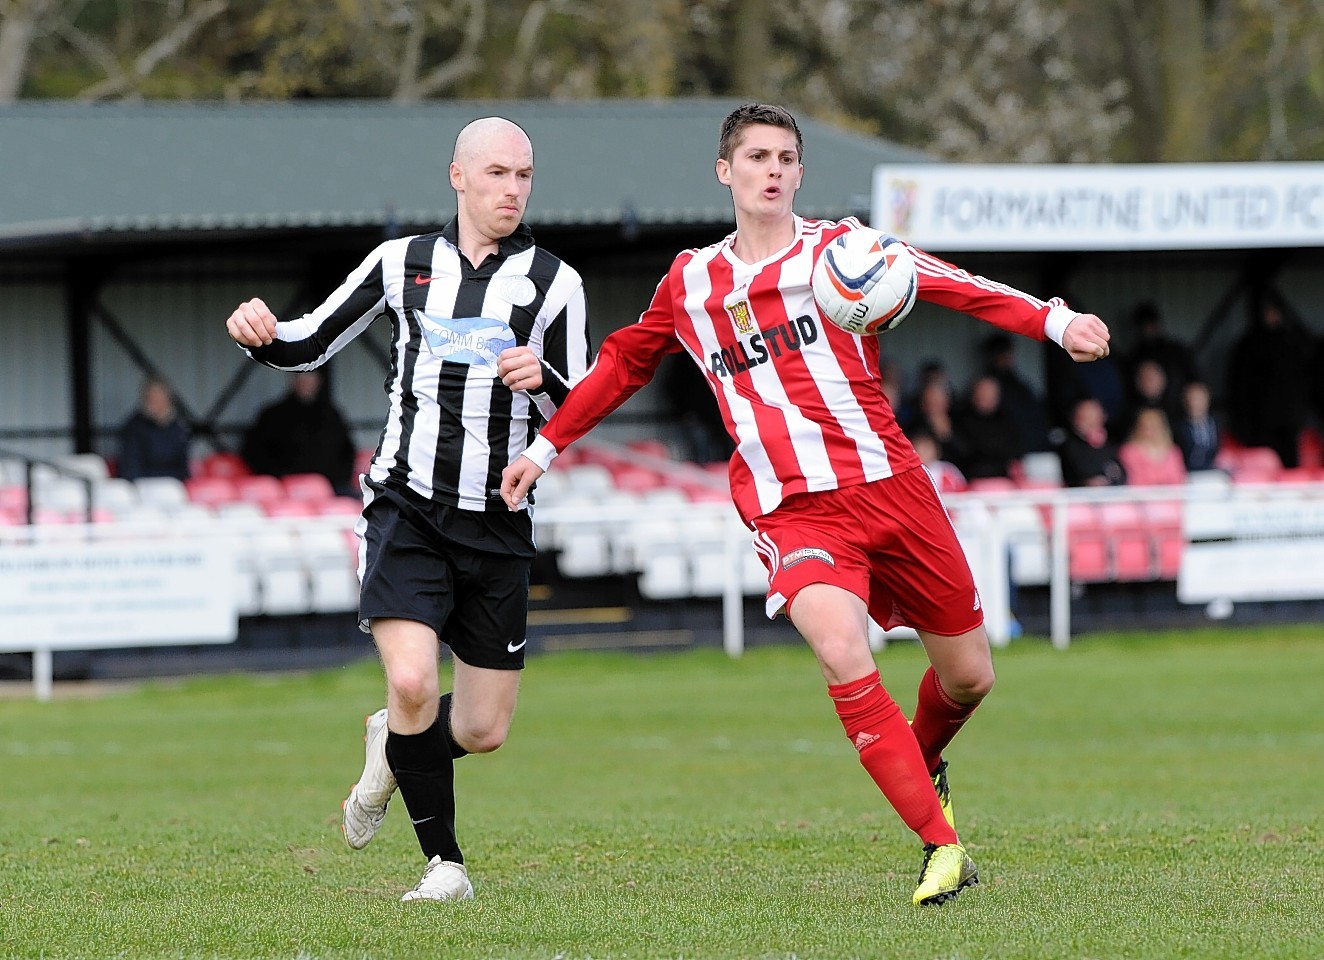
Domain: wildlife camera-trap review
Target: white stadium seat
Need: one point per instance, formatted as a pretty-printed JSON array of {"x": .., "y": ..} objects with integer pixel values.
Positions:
[
  {"x": 116, "y": 495},
  {"x": 666, "y": 576},
  {"x": 63, "y": 494},
  {"x": 164, "y": 492},
  {"x": 332, "y": 577},
  {"x": 89, "y": 465}
]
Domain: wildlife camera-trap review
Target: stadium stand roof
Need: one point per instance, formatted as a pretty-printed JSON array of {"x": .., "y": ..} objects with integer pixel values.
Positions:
[{"x": 94, "y": 172}]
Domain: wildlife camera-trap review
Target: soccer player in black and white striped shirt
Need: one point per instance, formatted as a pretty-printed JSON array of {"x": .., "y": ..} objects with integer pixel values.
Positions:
[{"x": 489, "y": 331}]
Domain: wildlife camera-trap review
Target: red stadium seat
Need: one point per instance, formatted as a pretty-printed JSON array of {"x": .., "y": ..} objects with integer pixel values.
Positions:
[
  {"x": 211, "y": 491},
  {"x": 1088, "y": 558},
  {"x": 259, "y": 488},
  {"x": 991, "y": 485},
  {"x": 307, "y": 486},
  {"x": 1255, "y": 465},
  {"x": 652, "y": 448},
  {"x": 1133, "y": 557},
  {"x": 339, "y": 506},
  {"x": 221, "y": 464},
  {"x": 698, "y": 493},
  {"x": 1082, "y": 518},
  {"x": 14, "y": 498},
  {"x": 1163, "y": 516},
  {"x": 637, "y": 479},
  {"x": 1310, "y": 448},
  {"x": 1122, "y": 516},
  {"x": 1168, "y": 546},
  {"x": 289, "y": 508},
  {"x": 1087, "y": 544},
  {"x": 1229, "y": 450},
  {"x": 1298, "y": 475}
]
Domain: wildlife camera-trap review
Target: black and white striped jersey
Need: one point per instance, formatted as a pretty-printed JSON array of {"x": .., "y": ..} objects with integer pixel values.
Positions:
[{"x": 452, "y": 425}]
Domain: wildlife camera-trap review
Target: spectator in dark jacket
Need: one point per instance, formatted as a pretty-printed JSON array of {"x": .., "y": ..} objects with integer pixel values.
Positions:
[
  {"x": 991, "y": 439},
  {"x": 1153, "y": 344},
  {"x": 1196, "y": 431},
  {"x": 302, "y": 433},
  {"x": 1089, "y": 458},
  {"x": 154, "y": 440},
  {"x": 1268, "y": 383},
  {"x": 1025, "y": 405},
  {"x": 934, "y": 416}
]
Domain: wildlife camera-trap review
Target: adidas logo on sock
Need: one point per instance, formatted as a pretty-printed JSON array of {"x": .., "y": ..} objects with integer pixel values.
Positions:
[{"x": 863, "y": 739}]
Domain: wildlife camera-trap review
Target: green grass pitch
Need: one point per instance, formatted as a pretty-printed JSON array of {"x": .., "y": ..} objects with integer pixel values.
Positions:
[{"x": 1136, "y": 796}]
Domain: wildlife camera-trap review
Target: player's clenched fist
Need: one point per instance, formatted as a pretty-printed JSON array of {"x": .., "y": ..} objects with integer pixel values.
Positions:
[
  {"x": 252, "y": 324},
  {"x": 520, "y": 369},
  {"x": 1086, "y": 338}
]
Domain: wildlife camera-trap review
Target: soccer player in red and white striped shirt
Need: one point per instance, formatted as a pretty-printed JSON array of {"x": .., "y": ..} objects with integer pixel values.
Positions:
[{"x": 846, "y": 519}]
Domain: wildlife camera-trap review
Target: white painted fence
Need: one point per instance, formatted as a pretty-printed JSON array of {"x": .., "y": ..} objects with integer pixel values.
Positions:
[{"x": 185, "y": 577}]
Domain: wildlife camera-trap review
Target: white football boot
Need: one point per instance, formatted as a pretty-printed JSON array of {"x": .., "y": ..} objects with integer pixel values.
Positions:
[
  {"x": 365, "y": 807},
  {"x": 442, "y": 880}
]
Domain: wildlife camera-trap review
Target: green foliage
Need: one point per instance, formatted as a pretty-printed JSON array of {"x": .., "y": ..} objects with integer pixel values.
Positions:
[
  {"x": 988, "y": 80},
  {"x": 1135, "y": 796}
]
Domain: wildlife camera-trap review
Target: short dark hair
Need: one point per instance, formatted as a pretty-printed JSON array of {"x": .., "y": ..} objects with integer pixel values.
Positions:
[{"x": 747, "y": 116}]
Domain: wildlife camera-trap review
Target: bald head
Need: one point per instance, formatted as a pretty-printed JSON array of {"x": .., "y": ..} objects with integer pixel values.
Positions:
[
  {"x": 489, "y": 134},
  {"x": 492, "y": 174}
]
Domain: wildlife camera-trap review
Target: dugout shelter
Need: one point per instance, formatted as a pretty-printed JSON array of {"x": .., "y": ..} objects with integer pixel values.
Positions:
[{"x": 128, "y": 232}]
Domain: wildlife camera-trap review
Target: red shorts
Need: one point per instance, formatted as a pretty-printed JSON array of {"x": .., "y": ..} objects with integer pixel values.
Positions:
[{"x": 889, "y": 542}]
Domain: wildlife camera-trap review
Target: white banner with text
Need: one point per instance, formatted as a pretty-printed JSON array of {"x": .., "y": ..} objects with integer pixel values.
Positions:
[
  {"x": 70, "y": 596},
  {"x": 1168, "y": 206}
]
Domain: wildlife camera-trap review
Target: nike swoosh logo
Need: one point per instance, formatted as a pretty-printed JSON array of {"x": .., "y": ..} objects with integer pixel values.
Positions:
[
  {"x": 424, "y": 820},
  {"x": 515, "y": 647},
  {"x": 422, "y": 280}
]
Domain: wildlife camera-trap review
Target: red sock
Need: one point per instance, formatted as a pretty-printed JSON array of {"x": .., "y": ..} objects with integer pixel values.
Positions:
[
  {"x": 877, "y": 727},
  {"x": 938, "y": 719}
]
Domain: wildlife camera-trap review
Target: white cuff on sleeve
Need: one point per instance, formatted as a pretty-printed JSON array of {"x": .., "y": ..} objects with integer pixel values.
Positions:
[
  {"x": 541, "y": 452},
  {"x": 1055, "y": 324}
]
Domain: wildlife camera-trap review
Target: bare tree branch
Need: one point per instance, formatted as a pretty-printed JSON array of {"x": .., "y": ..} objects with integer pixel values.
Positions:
[
  {"x": 23, "y": 21},
  {"x": 120, "y": 82},
  {"x": 517, "y": 67},
  {"x": 93, "y": 49},
  {"x": 465, "y": 62},
  {"x": 172, "y": 42},
  {"x": 407, "y": 77}
]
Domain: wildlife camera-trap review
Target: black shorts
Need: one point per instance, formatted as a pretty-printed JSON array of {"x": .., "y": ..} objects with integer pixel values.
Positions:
[{"x": 477, "y": 602}]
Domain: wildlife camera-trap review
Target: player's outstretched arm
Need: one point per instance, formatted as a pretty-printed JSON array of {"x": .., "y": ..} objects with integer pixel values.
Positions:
[
  {"x": 1086, "y": 338},
  {"x": 252, "y": 324},
  {"x": 516, "y": 479}
]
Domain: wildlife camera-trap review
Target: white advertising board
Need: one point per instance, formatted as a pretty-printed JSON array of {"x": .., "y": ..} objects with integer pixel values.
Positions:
[
  {"x": 83, "y": 596},
  {"x": 993, "y": 207},
  {"x": 1252, "y": 570}
]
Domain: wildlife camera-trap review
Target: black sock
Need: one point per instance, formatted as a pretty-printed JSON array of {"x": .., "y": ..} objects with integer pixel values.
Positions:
[
  {"x": 444, "y": 711},
  {"x": 426, "y": 775}
]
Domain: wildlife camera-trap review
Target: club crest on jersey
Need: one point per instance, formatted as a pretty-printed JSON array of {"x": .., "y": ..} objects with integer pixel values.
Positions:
[
  {"x": 476, "y": 341},
  {"x": 807, "y": 553},
  {"x": 517, "y": 291},
  {"x": 760, "y": 346},
  {"x": 741, "y": 316}
]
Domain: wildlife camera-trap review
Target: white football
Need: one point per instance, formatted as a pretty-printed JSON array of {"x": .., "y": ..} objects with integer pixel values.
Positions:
[{"x": 865, "y": 282}]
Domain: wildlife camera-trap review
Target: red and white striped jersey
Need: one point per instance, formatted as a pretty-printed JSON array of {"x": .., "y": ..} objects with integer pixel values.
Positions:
[{"x": 801, "y": 398}]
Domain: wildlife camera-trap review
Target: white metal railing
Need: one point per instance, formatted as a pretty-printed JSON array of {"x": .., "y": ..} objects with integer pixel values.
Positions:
[
  {"x": 980, "y": 520},
  {"x": 707, "y": 537}
]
